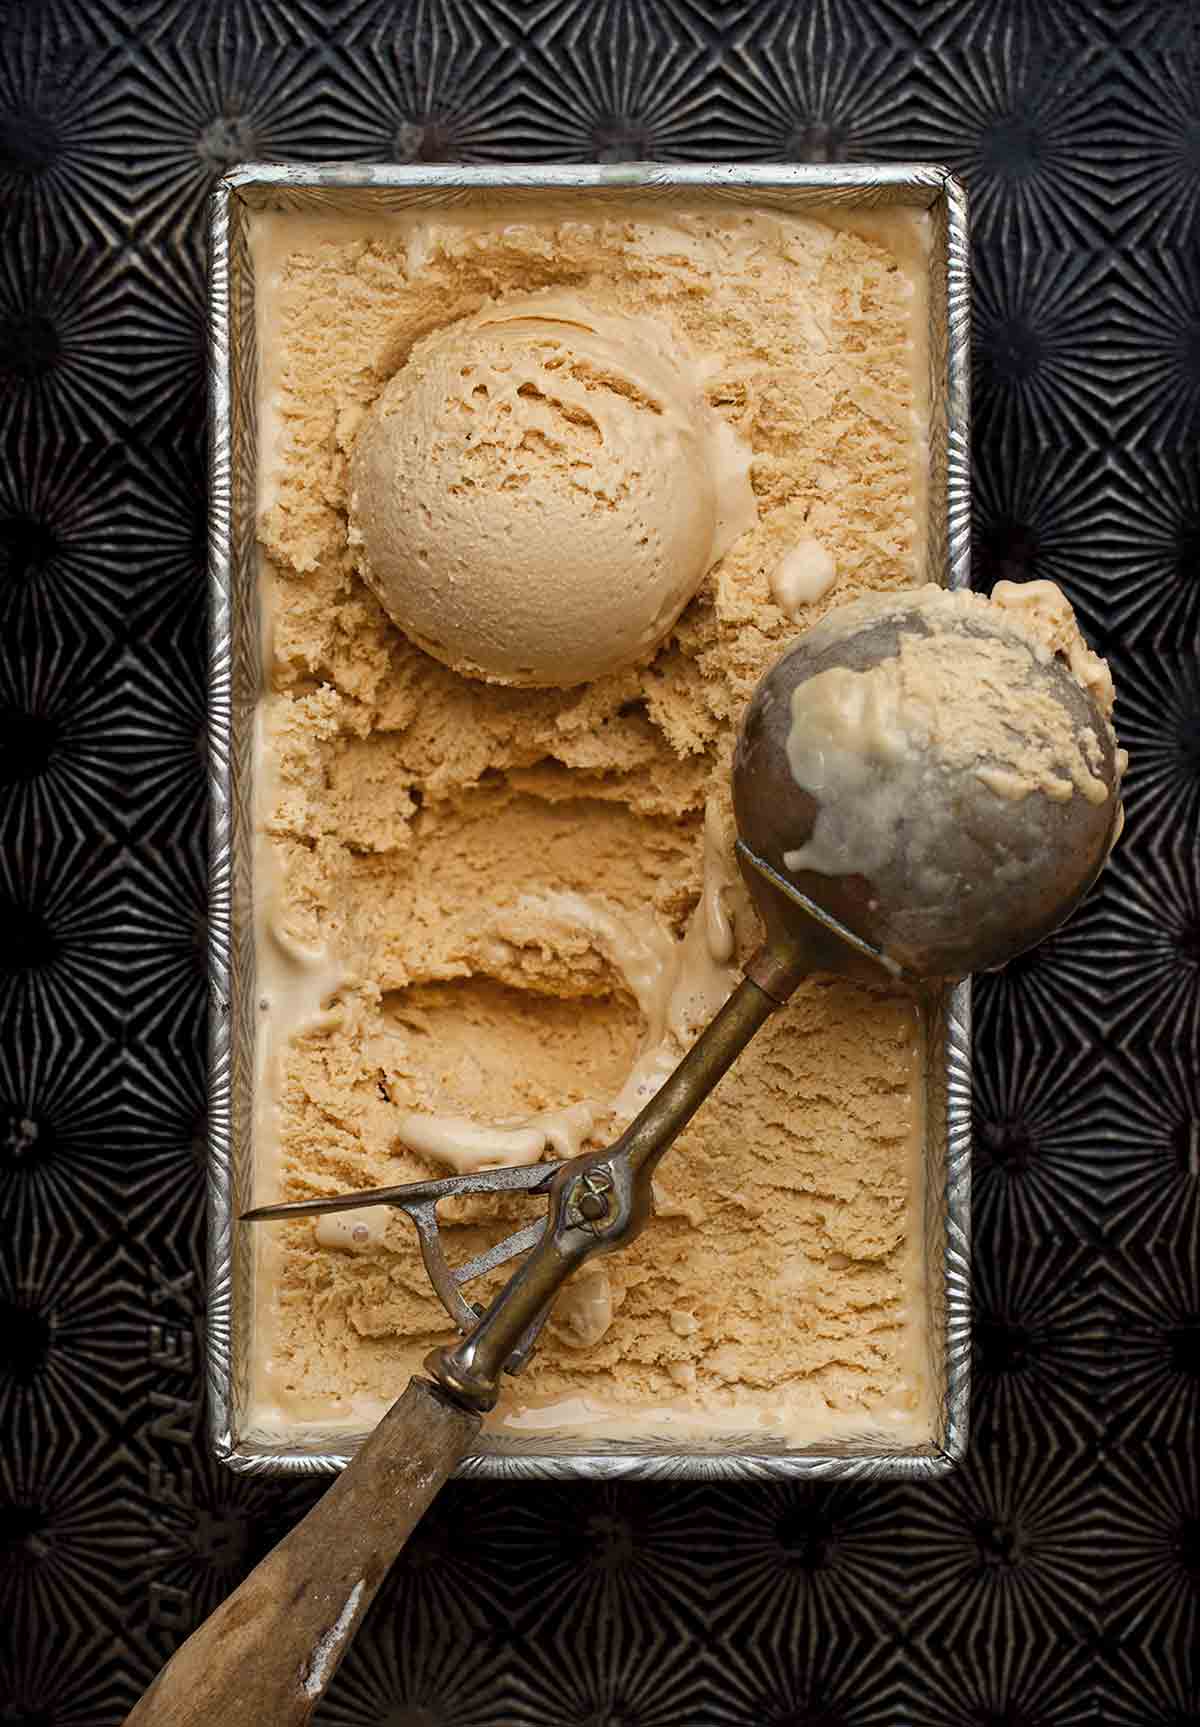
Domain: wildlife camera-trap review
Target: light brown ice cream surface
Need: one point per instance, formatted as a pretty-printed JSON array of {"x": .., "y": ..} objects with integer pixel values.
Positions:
[
  {"x": 540, "y": 489},
  {"x": 492, "y": 918}
]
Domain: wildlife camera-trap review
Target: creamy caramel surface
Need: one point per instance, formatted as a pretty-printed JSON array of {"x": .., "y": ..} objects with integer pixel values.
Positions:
[{"x": 491, "y": 919}]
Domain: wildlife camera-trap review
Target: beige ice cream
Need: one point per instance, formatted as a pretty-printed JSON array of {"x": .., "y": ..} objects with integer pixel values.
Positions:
[
  {"x": 948, "y": 704},
  {"x": 492, "y": 916},
  {"x": 540, "y": 490}
]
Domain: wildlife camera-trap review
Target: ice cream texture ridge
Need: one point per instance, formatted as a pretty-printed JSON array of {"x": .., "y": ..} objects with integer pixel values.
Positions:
[{"x": 491, "y": 917}]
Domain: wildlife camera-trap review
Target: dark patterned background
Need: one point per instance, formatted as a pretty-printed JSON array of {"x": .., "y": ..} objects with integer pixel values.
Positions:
[{"x": 1056, "y": 1577}]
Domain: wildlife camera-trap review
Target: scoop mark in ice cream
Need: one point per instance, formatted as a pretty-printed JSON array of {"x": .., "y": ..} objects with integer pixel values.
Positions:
[
  {"x": 678, "y": 986},
  {"x": 540, "y": 490}
]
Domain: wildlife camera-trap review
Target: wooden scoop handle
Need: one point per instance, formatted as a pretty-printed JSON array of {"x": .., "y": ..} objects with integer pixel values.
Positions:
[{"x": 269, "y": 1651}]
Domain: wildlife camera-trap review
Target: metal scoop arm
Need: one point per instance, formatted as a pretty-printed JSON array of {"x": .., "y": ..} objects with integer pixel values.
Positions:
[{"x": 599, "y": 1202}]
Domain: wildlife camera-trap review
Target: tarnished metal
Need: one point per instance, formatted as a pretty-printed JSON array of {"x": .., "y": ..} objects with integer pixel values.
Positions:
[{"x": 773, "y": 967}]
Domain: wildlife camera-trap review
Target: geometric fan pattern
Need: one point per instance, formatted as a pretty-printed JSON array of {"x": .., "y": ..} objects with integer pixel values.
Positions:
[{"x": 1054, "y": 1578}]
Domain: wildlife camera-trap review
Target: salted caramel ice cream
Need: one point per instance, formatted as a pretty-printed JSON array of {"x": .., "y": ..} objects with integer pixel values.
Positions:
[
  {"x": 541, "y": 488},
  {"x": 495, "y": 880}
]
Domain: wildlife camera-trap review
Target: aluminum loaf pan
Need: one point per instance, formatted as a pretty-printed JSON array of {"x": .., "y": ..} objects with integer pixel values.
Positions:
[{"x": 235, "y": 682}]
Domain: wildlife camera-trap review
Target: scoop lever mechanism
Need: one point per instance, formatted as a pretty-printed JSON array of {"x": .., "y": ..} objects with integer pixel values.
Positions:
[
  {"x": 420, "y": 1199},
  {"x": 598, "y": 1202}
]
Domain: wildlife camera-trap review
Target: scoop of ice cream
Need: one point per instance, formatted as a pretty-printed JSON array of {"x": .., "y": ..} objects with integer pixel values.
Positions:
[
  {"x": 937, "y": 770},
  {"x": 540, "y": 490}
]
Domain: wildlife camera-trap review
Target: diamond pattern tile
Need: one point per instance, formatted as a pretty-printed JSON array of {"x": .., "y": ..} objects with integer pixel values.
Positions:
[
  {"x": 1010, "y": 99},
  {"x": 1155, "y": 1334},
  {"x": 1012, "y": 1681},
  {"x": 1152, "y": 1548},
  {"x": 790, "y": 1555},
  {"x": 1005, "y": 1554},
  {"x": 811, "y": 84},
  {"x": 1147, "y": 549},
  {"x": 1035, "y": 346},
  {"x": 1040, "y": 1342},
  {"x": 67, "y": 1540},
  {"x": 1055, "y": 1578},
  {"x": 423, "y": 90}
]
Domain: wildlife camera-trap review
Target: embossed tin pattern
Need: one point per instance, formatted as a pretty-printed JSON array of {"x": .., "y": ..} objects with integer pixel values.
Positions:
[
  {"x": 234, "y": 683},
  {"x": 1051, "y": 1576}
]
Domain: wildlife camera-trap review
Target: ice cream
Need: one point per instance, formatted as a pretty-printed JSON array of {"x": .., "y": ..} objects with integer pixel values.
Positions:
[
  {"x": 953, "y": 700},
  {"x": 540, "y": 489},
  {"x": 512, "y": 907},
  {"x": 805, "y": 573}
]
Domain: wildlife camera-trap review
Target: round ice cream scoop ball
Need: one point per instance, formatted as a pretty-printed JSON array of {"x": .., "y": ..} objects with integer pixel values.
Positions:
[
  {"x": 964, "y": 877},
  {"x": 540, "y": 490}
]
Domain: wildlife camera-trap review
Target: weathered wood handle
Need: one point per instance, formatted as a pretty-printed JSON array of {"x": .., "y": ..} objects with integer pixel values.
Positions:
[{"x": 265, "y": 1657}]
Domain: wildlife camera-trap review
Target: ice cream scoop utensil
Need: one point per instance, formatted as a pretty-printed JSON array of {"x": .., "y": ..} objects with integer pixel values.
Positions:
[
  {"x": 912, "y": 921},
  {"x": 269, "y": 1651},
  {"x": 894, "y": 924}
]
